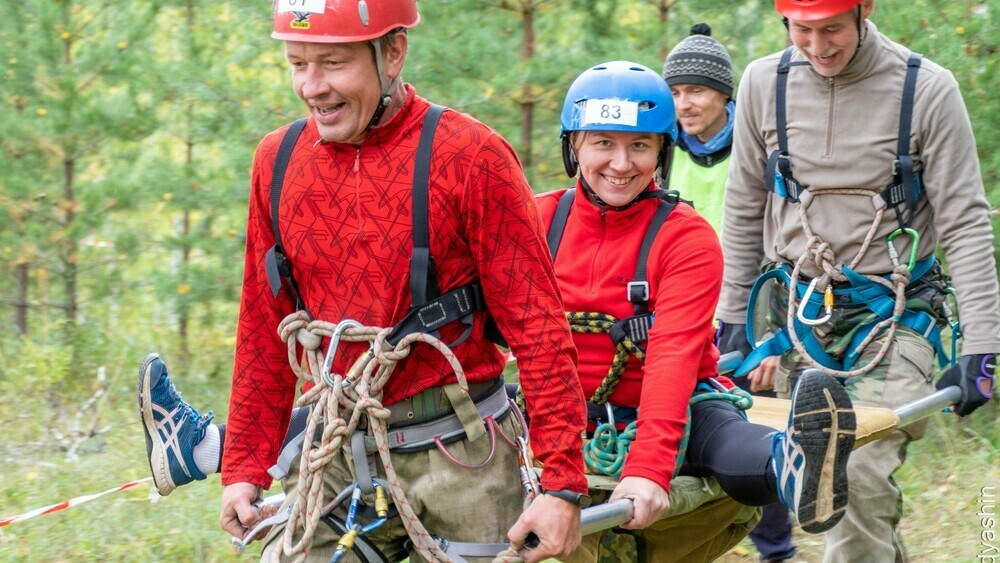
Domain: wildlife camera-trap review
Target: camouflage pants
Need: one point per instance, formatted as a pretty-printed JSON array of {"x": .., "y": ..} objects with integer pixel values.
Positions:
[
  {"x": 452, "y": 502},
  {"x": 868, "y": 531},
  {"x": 701, "y": 525}
]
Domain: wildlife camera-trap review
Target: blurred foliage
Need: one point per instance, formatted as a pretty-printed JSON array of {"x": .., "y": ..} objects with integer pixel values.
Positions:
[{"x": 126, "y": 135}]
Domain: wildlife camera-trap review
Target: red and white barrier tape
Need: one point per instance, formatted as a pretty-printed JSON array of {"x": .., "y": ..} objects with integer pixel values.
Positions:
[{"x": 68, "y": 503}]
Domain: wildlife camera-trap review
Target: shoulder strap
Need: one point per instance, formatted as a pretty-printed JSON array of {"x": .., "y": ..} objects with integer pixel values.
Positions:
[
  {"x": 558, "y": 224},
  {"x": 778, "y": 175},
  {"x": 638, "y": 289},
  {"x": 276, "y": 264},
  {"x": 904, "y": 166},
  {"x": 429, "y": 309},
  {"x": 423, "y": 278}
]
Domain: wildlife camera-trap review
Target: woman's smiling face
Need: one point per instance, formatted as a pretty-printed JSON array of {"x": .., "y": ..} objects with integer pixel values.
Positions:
[{"x": 617, "y": 165}]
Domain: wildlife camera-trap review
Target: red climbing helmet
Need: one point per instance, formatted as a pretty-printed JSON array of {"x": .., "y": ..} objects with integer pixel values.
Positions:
[
  {"x": 341, "y": 21},
  {"x": 812, "y": 10}
]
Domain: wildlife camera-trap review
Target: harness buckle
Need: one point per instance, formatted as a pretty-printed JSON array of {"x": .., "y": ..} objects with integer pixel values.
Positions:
[{"x": 640, "y": 286}]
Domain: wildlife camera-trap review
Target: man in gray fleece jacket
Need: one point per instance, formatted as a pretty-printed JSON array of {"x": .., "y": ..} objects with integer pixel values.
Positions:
[{"x": 824, "y": 197}]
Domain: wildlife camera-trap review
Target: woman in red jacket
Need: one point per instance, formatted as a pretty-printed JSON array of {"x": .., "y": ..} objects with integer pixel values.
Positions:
[{"x": 618, "y": 126}]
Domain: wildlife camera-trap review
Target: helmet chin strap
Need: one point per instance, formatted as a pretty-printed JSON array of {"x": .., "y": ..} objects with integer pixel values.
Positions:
[
  {"x": 861, "y": 32},
  {"x": 385, "y": 98}
]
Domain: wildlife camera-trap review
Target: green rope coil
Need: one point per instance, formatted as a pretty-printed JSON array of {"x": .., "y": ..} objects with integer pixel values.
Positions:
[{"x": 605, "y": 453}]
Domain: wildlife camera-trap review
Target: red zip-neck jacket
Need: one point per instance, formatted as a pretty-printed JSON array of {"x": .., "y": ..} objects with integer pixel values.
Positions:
[
  {"x": 346, "y": 227},
  {"x": 596, "y": 260}
]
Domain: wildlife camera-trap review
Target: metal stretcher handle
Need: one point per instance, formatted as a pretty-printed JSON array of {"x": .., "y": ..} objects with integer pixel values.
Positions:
[{"x": 596, "y": 518}]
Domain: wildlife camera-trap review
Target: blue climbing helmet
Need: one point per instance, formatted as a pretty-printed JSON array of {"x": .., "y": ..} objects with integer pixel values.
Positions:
[{"x": 617, "y": 96}]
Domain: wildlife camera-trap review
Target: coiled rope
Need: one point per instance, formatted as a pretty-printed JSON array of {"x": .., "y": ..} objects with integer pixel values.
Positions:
[
  {"x": 339, "y": 408},
  {"x": 819, "y": 253},
  {"x": 605, "y": 453}
]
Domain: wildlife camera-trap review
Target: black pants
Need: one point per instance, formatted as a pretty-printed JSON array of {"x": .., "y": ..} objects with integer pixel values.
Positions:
[{"x": 737, "y": 453}]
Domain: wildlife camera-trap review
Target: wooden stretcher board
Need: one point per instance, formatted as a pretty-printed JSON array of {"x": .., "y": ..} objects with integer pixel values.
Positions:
[{"x": 873, "y": 422}]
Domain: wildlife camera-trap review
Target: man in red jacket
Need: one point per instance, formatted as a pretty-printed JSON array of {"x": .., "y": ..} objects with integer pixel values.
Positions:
[{"x": 346, "y": 228}]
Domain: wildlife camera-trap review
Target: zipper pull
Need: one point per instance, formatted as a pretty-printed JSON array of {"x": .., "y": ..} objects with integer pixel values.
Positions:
[{"x": 357, "y": 160}]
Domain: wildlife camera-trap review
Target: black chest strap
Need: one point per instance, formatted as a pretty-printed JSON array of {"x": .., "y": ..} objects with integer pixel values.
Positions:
[
  {"x": 778, "y": 176},
  {"x": 906, "y": 187},
  {"x": 430, "y": 309},
  {"x": 637, "y": 290},
  {"x": 276, "y": 264}
]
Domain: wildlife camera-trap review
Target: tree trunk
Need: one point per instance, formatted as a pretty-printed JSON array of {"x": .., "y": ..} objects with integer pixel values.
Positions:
[
  {"x": 21, "y": 298},
  {"x": 70, "y": 246},
  {"x": 665, "y": 6},
  {"x": 527, "y": 99}
]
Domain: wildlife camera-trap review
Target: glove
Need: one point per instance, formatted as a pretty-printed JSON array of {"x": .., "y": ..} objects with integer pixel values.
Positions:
[
  {"x": 974, "y": 375},
  {"x": 730, "y": 337}
]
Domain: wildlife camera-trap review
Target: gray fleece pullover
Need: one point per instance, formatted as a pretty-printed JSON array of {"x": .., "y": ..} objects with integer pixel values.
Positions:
[{"x": 842, "y": 133}]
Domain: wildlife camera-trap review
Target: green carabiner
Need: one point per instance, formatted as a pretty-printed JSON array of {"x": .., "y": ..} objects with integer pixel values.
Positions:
[{"x": 914, "y": 243}]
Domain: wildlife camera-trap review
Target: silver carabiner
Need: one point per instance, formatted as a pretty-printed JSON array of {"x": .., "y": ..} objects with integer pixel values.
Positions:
[
  {"x": 331, "y": 351},
  {"x": 800, "y": 313},
  {"x": 611, "y": 414}
]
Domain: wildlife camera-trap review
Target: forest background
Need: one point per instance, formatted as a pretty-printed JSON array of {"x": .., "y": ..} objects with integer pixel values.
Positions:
[{"x": 126, "y": 135}]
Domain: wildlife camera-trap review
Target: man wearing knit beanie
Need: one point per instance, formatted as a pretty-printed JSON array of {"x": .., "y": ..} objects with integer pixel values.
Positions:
[{"x": 700, "y": 75}]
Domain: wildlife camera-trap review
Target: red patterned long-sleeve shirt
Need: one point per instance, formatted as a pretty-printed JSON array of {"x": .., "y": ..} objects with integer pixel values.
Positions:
[
  {"x": 346, "y": 227},
  {"x": 597, "y": 258}
]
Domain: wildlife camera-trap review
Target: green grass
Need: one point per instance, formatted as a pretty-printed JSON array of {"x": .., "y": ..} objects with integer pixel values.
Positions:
[{"x": 941, "y": 482}]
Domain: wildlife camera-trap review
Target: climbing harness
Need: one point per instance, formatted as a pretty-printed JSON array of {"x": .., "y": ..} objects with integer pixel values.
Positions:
[
  {"x": 628, "y": 333},
  {"x": 885, "y": 296},
  {"x": 347, "y": 410},
  {"x": 339, "y": 410},
  {"x": 606, "y": 451},
  {"x": 429, "y": 309}
]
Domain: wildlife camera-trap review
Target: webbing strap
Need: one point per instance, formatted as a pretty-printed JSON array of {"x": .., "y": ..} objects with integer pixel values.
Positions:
[
  {"x": 637, "y": 290},
  {"x": 276, "y": 264},
  {"x": 558, "y": 224},
  {"x": 862, "y": 292},
  {"x": 453, "y": 305},
  {"x": 778, "y": 175},
  {"x": 904, "y": 168},
  {"x": 423, "y": 280},
  {"x": 780, "y": 93}
]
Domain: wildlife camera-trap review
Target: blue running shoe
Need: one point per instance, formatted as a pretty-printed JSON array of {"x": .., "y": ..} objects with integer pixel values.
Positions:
[
  {"x": 810, "y": 457},
  {"x": 172, "y": 428}
]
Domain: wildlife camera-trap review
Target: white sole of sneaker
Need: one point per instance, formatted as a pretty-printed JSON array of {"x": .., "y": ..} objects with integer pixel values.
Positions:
[{"x": 154, "y": 448}]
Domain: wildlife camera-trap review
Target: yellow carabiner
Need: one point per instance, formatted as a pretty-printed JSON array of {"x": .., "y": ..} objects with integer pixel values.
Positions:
[
  {"x": 914, "y": 243},
  {"x": 381, "y": 502}
]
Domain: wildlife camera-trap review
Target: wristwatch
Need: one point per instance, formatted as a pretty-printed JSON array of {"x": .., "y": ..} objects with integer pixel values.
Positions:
[{"x": 580, "y": 499}]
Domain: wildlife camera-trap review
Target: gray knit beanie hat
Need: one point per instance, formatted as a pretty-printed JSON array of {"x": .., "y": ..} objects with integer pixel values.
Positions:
[{"x": 700, "y": 59}]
